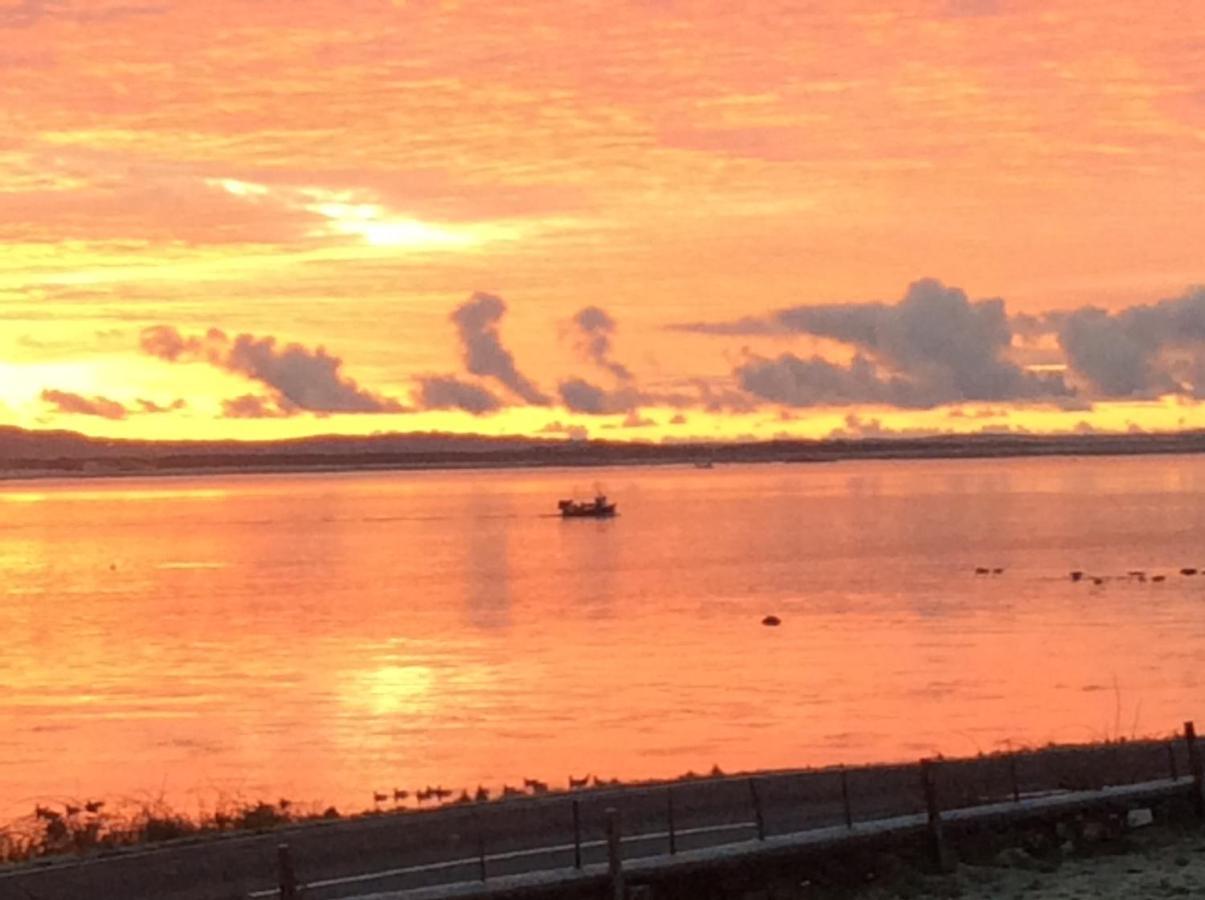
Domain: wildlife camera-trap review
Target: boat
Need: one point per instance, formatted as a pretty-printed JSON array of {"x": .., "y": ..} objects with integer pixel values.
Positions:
[{"x": 598, "y": 508}]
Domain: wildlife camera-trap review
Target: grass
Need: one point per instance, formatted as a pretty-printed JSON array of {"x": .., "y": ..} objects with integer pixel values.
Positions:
[{"x": 92, "y": 827}]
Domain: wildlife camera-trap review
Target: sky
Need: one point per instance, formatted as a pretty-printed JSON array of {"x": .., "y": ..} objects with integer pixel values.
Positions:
[{"x": 635, "y": 220}]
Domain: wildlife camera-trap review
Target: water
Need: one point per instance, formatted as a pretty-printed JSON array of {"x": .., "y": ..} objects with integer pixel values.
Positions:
[{"x": 320, "y": 637}]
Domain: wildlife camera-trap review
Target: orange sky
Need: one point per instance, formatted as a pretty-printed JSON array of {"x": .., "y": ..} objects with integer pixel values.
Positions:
[{"x": 347, "y": 175}]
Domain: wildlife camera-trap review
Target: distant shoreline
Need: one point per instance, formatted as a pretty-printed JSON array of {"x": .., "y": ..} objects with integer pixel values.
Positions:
[{"x": 74, "y": 456}]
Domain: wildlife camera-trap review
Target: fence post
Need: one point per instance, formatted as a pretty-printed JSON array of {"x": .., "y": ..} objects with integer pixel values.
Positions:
[
  {"x": 849, "y": 812},
  {"x": 614, "y": 855},
  {"x": 1012, "y": 774},
  {"x": 1171, "y": 760},
  {"x": 577, "y": 834},
  {"x": 937, "y": 840},
  {"x": 286, "y": 877},
  {"x": 757, "y": 810},
  {"x": 1194, "y": 766},
  {"x": 480, "y": 844},
  {"x": 669, "y": 815}
]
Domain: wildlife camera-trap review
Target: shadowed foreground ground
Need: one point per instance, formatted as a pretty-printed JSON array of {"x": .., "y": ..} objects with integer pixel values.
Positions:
[{"x": 1155, "y": 864}]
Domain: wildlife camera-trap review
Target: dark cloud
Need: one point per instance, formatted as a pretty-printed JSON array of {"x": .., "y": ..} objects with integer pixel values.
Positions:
[
  {"x": 579, "y": 395},
  {"x": 594, "y": 329},
  {"x": 78, "y": 404},
  {"x": 1143, "y": 350},
  {"x": 477, "y": 321},
  {"x": 793, "y": 381},
  {"x": 934, "y": 346},
  {"x": 300, "y": 378},
  {"x": 150, "y": 407},
  {"x": 252, "y": 406},
  {"x": 448, "y": 392}
]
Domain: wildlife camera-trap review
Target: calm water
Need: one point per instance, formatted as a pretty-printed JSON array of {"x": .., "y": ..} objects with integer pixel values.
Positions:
[{"x": 319, "y": 637}]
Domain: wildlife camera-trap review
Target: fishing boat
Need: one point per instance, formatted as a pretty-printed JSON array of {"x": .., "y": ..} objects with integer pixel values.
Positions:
[{"x": 598, "y": 508}]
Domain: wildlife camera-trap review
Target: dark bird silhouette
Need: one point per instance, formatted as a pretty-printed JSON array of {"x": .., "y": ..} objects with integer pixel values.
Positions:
[
  {"x": 94, "y": 806},
  {"x": 981, "y": 570},
  {"x": 1158, "y": 577},
  {"x": 772, "y": 621},
  {"x": 1188, "y": 570},
  {"x": 535, "y": 785},
  {"x": 379, "y": 798},
  {"x": 508, "y": 791},
  {"x": 575, "y": 783},
  {"x": 482, "y": 794},
  {"x": 400, "y": 795},
  {"x": 1077, "y": 575}
]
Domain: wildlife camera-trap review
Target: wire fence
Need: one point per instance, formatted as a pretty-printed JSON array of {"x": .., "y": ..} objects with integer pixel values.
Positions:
[{"x": 574, "y": 831}]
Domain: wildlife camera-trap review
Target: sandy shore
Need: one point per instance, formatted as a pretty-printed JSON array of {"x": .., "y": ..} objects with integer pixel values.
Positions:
[{"x": 1151, "y": 863}]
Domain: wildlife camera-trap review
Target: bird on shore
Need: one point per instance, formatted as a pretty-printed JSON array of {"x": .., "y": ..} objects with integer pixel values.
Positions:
[
  {"x": 535, "y": 785},
  {"x": 576, "y": 783},
  {"x": 508, "y": 791},
  {"x": 379, "y": 797},
  {"x": 400, "y": 795},
  {"x": 482, "y": 795}
]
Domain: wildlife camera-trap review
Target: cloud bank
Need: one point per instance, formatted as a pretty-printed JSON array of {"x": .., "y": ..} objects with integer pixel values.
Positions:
[
  {"x": 70, "y": 403},
  {"x": 935, "y": 346},
  {"x": 1143, "y": 350},
  {"x": 300, "y": 379}
]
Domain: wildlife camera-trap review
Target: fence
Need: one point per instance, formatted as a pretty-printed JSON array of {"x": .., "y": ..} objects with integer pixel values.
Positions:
[{"x": 580, "y": 832}]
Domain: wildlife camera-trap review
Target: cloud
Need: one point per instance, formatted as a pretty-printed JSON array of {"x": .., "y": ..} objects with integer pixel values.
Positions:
[
  {"x": 70, "y": 403},
  {"x": 300, "y": 378},
  {"x": 78, "y": 404},
  {"x": 858, "y": 428},
  {"x": 934, "y": 346},
  {"x": 1144, "y": 350},
  {"x": 448, "y": 392},
  {"x": 579, "y": 395},
  {"x": 252, "y": 406},
  {"x": 477, "y": 321},
  {"x": 573, "y": 432},
  {"x": 594, "y": 329},
  {"x": 792, "y": 381}
]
